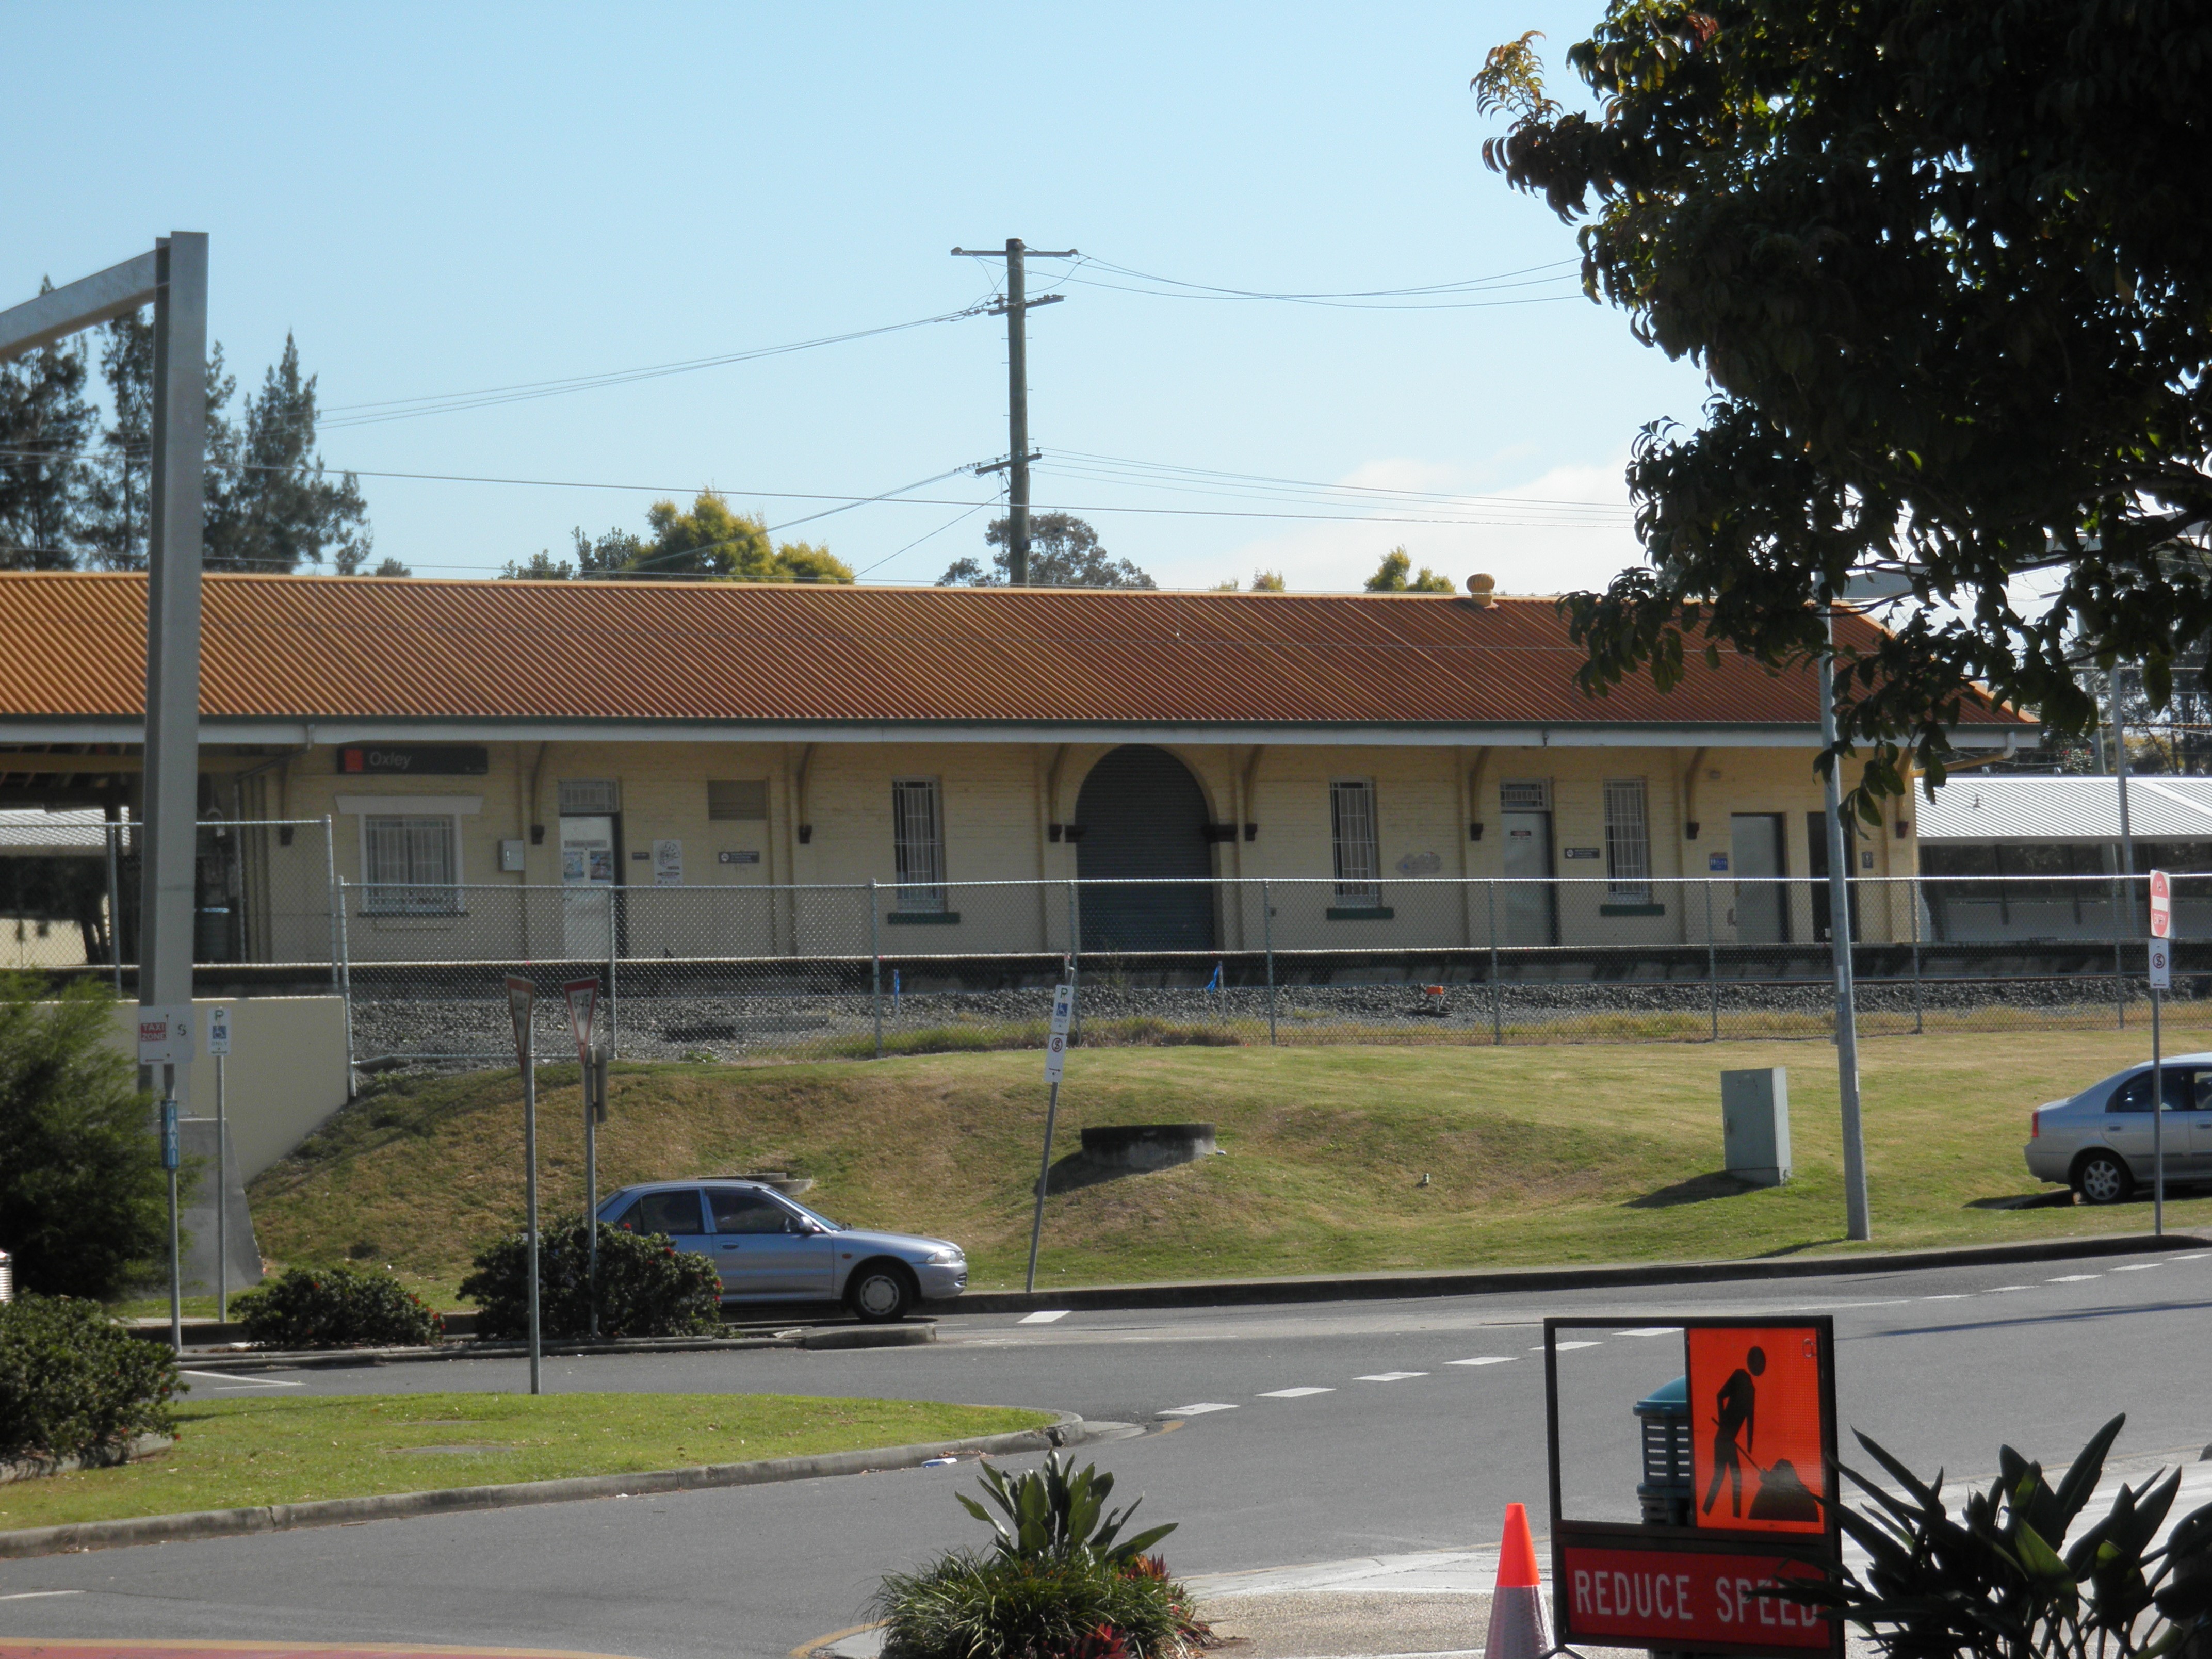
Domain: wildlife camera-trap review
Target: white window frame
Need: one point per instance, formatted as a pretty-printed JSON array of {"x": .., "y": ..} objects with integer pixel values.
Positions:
[
  {"x": 918, "y": 881},
  {"x": 1357, "y": 858},
  {"x": 395, "y": 899},
  {"x": 1628, "y": 841}
]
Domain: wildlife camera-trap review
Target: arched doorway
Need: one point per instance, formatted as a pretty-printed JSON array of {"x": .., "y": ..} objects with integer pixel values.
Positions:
[{"x": 1144, "y": 819}]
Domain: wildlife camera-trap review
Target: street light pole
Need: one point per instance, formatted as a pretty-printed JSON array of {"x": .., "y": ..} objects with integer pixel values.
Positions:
[{"x": 1856, "y": 1222}]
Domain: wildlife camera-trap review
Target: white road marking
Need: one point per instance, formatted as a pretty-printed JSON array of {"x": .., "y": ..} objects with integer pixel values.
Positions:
[
  {"x": 1999, "y": 1290},
  {"x": 1563, "y": 1346},
  {"x": 1953, "y": 1295},
  {"x": 1648, "y": 1330},
  {"x": 1199, "y": 1410},
  {"x": 1293, "y": 1393},
  {"x": 2137, "y": 1268},
  {"x": 32, "y": 1596},
  {"x": 2072, "y": 1279},
  {"x": 1389, "y": 1377},
  {"x": 1486, "y": 1359},
  {"x": 237, "y": 1381},
  {"x": 2195, "y": 1255},
  {"x": 1043, "y": 1317}
]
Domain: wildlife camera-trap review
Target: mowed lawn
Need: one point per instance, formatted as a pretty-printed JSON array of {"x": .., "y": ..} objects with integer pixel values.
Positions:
[
  {"x": 1533, "y": 1155},
  {"x": 237, "y": 1453}
]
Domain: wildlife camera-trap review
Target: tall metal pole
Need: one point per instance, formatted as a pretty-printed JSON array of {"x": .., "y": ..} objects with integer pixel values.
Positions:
[
  {"x": 170, "y": 1159},
  {"x": 529, "y": 1196},
  {"x": 1267, "y": 937},
  {"x": 876, "y": 966},
  {"x": 222, "y": 1199},
  {"x": 1017, "y": 417},
  {"x": 1857, "y": 1222},
  {"x": 167, "y": 860},
  {"x": 595, "y": 1111},
  {"x": 114, "y": 906},
  {"x": 2157, "y": 1123},
  {"x": 2120, "y": 772}
]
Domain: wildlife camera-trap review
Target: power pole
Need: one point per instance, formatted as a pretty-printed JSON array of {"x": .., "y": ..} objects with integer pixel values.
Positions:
[{"x": 1013, "y": 307}]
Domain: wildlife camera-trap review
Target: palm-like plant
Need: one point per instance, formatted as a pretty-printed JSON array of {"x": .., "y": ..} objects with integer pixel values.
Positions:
[
  {"x": 1051, "y": 1514},
  {"x": 1993, "y": 1584}
]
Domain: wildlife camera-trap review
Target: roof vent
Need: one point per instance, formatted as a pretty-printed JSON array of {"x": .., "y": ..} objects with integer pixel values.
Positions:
[{"x": 1484, "y": 588}]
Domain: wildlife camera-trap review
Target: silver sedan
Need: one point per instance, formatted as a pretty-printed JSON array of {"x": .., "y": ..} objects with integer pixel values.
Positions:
[
  {"x": 2100, "y": 1141},
  {"x": 768, "y": 1248}
]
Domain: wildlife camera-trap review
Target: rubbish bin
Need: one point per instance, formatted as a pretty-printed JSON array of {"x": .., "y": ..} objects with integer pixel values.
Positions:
[
  {"x": 1666, "y": 1491},
  {"x": 7, "y": 1276},
  {"x": 211, "y": 934}
]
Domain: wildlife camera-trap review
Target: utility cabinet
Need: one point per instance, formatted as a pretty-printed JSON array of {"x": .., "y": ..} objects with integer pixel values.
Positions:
[{"x": 1755, "y": 1125}]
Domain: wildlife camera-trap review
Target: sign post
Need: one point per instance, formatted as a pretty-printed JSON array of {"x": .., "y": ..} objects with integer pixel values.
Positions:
[
  {"x": 2161, "y": 979},
  {"x": 1056, "y": 1061},
  {"x": 218, "y": 1046},
  {"x": 583, "y": 999},
  {"x": 521, "y": 998},
  {"x": 1761, "y": 1501},
  {"x": 165, "y": 1039}
]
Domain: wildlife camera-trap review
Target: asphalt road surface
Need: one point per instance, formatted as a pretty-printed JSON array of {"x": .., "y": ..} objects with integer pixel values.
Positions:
[{"x": 1273, "y": 1435}]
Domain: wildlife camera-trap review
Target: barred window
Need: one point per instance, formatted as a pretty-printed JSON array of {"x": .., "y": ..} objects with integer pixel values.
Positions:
[
  {"x": 918, "y": 844},
  {"x": 1628, "y": 841},
  {"x": 1352, "y": 828},
  {"x": 410, "y": 866}
]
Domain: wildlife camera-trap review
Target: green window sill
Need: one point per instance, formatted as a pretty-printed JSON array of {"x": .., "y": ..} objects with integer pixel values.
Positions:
[
  {"x": 1360, "y": 913},
  {"x": 921, "y": 918},
  {"x": 1631, "y": 909}
]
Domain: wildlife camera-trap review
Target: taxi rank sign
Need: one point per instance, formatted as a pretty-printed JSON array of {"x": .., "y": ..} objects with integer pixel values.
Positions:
[{"x": 1761, "y": 1464}]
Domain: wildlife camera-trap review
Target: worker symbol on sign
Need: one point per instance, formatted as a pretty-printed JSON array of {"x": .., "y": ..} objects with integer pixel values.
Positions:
[{"x": 1756, "y": 1442}]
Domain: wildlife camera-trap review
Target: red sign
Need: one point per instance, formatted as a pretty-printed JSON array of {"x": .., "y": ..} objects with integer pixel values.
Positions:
[
  {"x": 2162, "y": 904},
  {"x": 1757, "y": 1448},
  {"x": 1685, "y": 1598}
]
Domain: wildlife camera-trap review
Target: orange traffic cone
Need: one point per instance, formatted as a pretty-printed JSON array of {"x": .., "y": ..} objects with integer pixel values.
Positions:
[{"x": 1516, "y": 1607}]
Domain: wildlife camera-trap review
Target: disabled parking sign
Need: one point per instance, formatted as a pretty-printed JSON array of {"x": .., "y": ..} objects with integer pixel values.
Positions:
[{"x": 1056, "y": 1048}]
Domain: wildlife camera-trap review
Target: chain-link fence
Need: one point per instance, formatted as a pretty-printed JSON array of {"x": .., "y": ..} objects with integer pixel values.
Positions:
[
  {"x": 263, "y": 895},
  {"x": 761, "y": 971}
]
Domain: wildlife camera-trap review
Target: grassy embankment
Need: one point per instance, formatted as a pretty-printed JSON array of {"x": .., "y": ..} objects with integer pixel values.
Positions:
[
  {"x": 1535, "y": 1155},
  {"x": 232, "y": 1454}
]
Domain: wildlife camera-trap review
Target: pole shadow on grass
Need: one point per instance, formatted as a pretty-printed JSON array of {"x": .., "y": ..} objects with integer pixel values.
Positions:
[{"x": 1698, "y": 1189}]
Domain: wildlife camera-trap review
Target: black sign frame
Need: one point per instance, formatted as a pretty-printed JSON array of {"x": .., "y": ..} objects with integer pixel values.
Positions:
[{"x": 1823, "y": 1553}]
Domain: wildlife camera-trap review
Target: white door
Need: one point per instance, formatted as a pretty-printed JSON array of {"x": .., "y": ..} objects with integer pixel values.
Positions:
[
  {"x": 1762, "y": 916},
  {"x": 587, "y": 872},
  {"x": 1531, "y": 909}
]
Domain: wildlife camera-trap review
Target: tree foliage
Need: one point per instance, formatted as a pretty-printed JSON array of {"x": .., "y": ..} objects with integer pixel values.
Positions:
[
  {"x": 73, "y": 492},
  {"x": 83, "y": 1199},
  {"x": 1946, "y": 269},
  {"x": 1393, "y": 576},
  {"x": 1064, "y": 552},
  {"x": 712, "y": 542}
]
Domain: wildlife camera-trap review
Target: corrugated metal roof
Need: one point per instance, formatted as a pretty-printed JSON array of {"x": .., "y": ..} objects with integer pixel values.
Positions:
[
  {"x": 320, "y": 647},
  {"x": 2019, "y": 807}
]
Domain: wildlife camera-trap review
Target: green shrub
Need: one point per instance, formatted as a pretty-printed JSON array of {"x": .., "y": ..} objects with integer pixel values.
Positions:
[
  {"x": 336, "y": 1308},
  {"x": 1061, "y": 1582},
  {"x": 72, "y": 1380},
  {"x": 1002, "y": 1606},
  {"x": 83, "y": 1199},
  {"x": 1999, "y": 1581},
  {"x": 648, "y": 1287}
]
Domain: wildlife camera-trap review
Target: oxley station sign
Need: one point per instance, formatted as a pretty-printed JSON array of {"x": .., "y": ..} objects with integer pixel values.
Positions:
[
  {"x": 1749, "y": 1503},
  {"x": 419, "y": 760}
]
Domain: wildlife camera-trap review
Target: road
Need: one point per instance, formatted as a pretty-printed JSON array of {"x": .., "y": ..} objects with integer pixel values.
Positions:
[{"x": 1274, "y": 1435}]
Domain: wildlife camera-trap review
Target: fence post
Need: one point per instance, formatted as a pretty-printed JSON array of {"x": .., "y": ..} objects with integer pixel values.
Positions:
[
  {"x": 614, "y": 950},
  {"x": 1914, "y": 893},
  {"x": 1075, "y": 958},
  {"x": 1267, "y": 935},
  {"x": 1713, "y": 961},
  {"x": 341, "y": 952},
  {"x": 1497, "y": 1006},
  {"x": 114, "y": 907},
  {"x": 875, "y": 967}
]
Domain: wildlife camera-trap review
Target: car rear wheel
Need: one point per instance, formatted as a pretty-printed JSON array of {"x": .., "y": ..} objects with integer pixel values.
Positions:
[
  {"x": 880, "y": 1292},
  {"x": 2103, "y": 1178}
]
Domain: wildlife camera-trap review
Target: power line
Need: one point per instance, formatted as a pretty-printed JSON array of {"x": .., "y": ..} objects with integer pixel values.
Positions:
[
  {"x": 1434, "y": 296},
  {"x": 403, "y": 409}
]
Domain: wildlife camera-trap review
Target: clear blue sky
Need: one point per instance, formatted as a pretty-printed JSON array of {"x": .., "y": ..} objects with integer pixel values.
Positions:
[{"x": 439, "y": 198}]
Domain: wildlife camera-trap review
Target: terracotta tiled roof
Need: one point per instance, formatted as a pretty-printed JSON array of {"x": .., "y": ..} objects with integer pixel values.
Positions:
[{"x": 320, "y": 647}]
